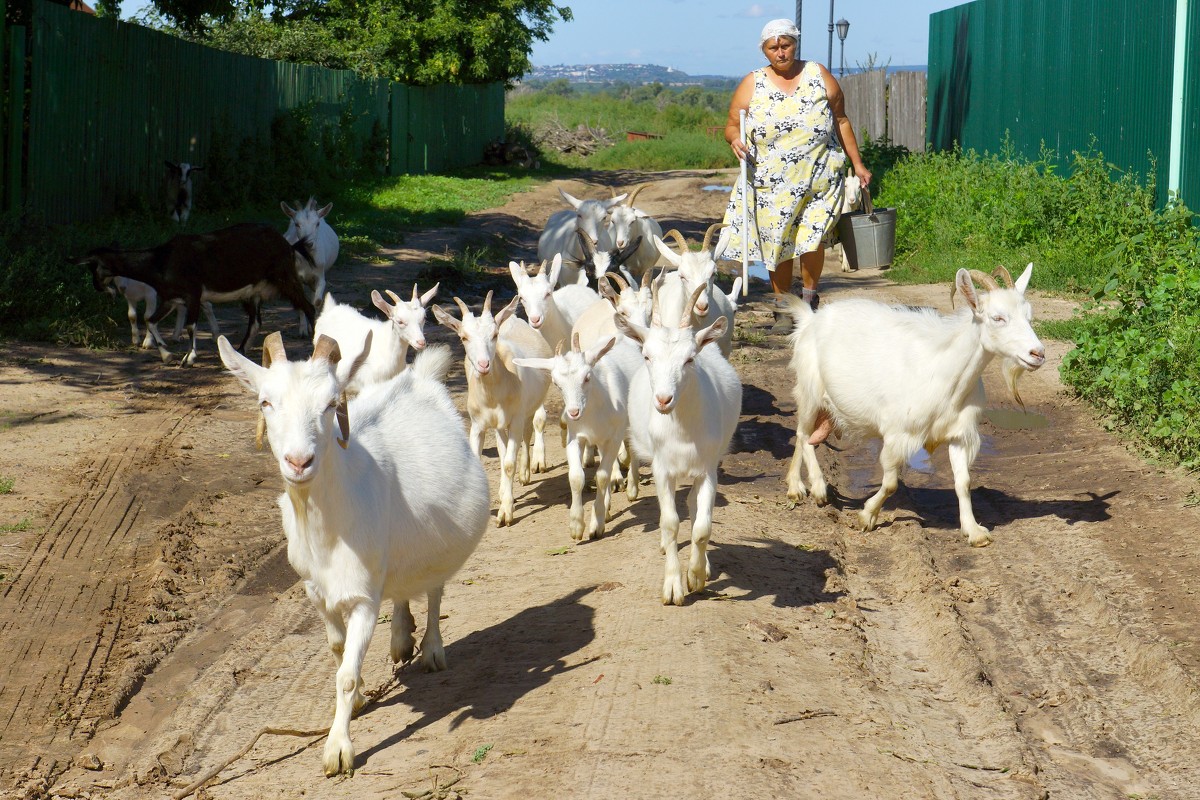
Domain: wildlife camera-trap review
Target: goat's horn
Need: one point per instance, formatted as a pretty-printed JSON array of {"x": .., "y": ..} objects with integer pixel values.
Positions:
[
  {"x": 616, "y": 278},
  {"x": 985, "y": 279},
  {"x": 686, "y": 320},
  {"x": 272, "y": 351},
  {"x": 716, "y": 226},
  {"x": 558, "y": 348},
  {"x": 678, "y": 237},
  {"x": 655, "y": 312},
  {"x": 487, "y": 304},
  {"x": 416, "y": 294},
  {"x": 575, "y": 342},
  {"x": 396, "y": 300},
  {"x": 326, "y": 348},
  {"x": 585, "y": 241},
  {"x": 647, "y": 276},
  {"x": 1003, "y": 274},
  {"x": 466, "y": 312},
  {"x": 633, "y": 195}
]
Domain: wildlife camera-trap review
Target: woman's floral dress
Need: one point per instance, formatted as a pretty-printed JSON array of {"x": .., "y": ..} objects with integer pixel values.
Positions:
[{"x": 796, "y": 187}]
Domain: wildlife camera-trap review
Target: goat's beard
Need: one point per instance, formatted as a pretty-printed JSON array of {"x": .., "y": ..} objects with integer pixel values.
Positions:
[{"x": 1012, "y": 370}]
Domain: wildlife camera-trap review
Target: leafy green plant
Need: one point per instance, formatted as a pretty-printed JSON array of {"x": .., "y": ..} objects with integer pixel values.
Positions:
[
  {"x": 23, "y": 525},
  {"x": 6, "y": 484},
  {"x": 481, "y": 753},
  {"x": 661, "y": 680}
]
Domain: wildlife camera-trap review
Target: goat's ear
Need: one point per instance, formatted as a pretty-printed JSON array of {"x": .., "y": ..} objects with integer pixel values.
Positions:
[
  {"x": 246, "y": 371},
  {"x": 361, "y": 358},
  {"x": 722, "y": 243},
  {"x": 616, "y": 201},
  {"x": 555, "y": 270},
  {"x": 503, "y": 314},
  {"x": 321, "y": 212},
  {"x": 546, "y": 364},
  {"x": 425, "y": 298},
  {"x": 518, "y": 273},
  {"x": 380, "y": 303},
  {"x": 597, "y": 351},
  {"x": 712, "y": 333},
  {"x": 966, "y": 287},
  {"x": 291, "y": 212},
  {"x": 667, "y": 253},
  {"x": 574, "y": 202},
  {"x": 444, "y": 317},
  {"x": 329, "y": 302},
  {"x": 630, "y": 328},
  {"x": 1023, "y": 281}
]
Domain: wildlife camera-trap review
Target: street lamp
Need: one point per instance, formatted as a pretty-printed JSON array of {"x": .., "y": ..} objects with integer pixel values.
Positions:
[{"x": 843, "y": 27}]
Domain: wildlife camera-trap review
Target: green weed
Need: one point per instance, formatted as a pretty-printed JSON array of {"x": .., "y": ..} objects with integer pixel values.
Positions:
[
  {"x": 661, "y": 680},
  {"x": 23, "y": 525},
  {"x": 6, "y": 484},
  {"x": 481, "y": 753}
]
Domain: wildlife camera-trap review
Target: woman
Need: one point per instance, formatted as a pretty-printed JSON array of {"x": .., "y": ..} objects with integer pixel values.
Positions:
[{"x": 798, "y": 139}]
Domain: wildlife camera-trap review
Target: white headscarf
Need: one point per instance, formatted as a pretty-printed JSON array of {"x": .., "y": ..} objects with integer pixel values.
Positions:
[{"x": 779, "y": 27}]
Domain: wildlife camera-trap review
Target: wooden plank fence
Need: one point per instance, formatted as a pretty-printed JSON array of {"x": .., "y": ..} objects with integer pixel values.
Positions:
[
  {"x": 109, "y": 101},
  {"x": 880, "y": 104}
]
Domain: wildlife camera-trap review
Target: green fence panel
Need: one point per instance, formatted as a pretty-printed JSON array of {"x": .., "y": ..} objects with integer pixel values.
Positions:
[
  {"x": 110, "y": 101},
  {"x": 1189, "y": 184},
  {"x": 14, "y": 189},
  {"x": 1062, "y": 75}
]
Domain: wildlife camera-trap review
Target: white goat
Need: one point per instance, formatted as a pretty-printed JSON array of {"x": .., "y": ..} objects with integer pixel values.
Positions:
[
  {"x": 587, "y": 216},
  {"x": 910, "y": 376},
  {"x": 597, "y": 263},
  {"x": 136, "y": 292},
  {"x": 628, "y": 224},
  {"x": 693, "y": 276},
  {"x": 501, "y": 395},
  {"x": 596, "y": 322},
  {"x": 403, "y": 328},
  {"x": 317, "y": 248},
  {"x": 550, "y": 311},
  {"x": 683, "y": 410},
  {"x": 851, "y": 201},
  {"x": 594, "y": 395},
  {"x": 179, "y": 189},
  {"x": 368, "y": 517}
]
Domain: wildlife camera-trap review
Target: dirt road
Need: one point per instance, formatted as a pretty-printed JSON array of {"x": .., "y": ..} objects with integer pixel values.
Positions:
[{"x": 150, "y": 624}]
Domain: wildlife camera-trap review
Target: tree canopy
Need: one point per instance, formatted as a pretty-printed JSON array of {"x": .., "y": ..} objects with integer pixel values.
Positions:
[{"x": 411, "y": 41}]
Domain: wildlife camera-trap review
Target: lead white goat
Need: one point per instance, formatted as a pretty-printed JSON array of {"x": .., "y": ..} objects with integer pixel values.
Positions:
[
  {"x": 404, "y": 327},
  {"x": 590, "y": 217},
  {"x": 694, "y": 276},
  {"x": 501, "y": 395},
  {"x": 683, "y": 409},
  {"x": 910, "y": 376},
  {"x": 366, "y": 509},
  {"x": 318, "y": 248},
  {"x": 627, "y": 224},
  {"x": 595, "y": 386}
]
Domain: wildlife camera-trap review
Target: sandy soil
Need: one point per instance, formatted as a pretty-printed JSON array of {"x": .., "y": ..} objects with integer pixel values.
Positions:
[{"x": 150, "y": 624}]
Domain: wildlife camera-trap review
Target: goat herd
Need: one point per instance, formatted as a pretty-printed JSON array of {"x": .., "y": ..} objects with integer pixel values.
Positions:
[{"x": 385, "y": 494}]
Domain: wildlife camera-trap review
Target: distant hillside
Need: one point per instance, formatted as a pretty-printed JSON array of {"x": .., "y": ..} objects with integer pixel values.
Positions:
[{"x": 634, "y": 74}]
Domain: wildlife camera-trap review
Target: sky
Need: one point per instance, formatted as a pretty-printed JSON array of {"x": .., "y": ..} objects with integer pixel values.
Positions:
[{"x": 720, "y": 37}]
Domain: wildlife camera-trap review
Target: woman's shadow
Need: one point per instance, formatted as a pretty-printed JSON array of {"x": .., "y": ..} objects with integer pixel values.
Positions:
[{"x": 493, "y": 668}]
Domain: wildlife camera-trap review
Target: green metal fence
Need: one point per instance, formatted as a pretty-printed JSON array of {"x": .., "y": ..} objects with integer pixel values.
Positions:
[
  {"x": 1064, "y": 75},
  {"x": 108, "y": 102}
]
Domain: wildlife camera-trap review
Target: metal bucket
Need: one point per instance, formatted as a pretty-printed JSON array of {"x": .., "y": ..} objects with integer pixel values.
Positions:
[{"x": 868, "y": 236}]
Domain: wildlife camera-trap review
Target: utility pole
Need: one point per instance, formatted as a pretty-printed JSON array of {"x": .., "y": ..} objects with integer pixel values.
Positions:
[
  {"x": 799, "y": 27},
  {"x": 829, "y": 59}
]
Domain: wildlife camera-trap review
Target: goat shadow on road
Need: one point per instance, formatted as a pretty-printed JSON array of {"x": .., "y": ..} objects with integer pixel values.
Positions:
[
  {"x": 938, "y": 508},
  {"x": 491, "y": 669}
]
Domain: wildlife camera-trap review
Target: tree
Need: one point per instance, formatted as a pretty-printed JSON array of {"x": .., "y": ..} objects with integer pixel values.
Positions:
[{"x": 411, "y": 41}]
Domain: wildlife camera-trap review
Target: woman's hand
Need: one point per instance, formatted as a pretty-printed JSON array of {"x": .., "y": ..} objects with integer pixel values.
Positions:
[
  {"x": 740, "y": 149},
  {"x": 864, "y": 176}
]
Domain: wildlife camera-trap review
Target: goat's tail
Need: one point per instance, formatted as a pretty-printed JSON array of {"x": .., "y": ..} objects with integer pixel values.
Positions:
[
  {"x": 800, "y": 311},
  {"x": 433, "y": 363}
]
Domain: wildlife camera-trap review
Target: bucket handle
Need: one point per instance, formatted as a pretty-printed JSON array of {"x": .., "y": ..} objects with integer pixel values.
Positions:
[{"x": 868, "y": 206}]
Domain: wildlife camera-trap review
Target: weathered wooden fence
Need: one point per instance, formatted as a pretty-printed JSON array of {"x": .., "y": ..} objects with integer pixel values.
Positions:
[
  {"x": 106, "y": 102},
  {"x": 891, "y": 105}
]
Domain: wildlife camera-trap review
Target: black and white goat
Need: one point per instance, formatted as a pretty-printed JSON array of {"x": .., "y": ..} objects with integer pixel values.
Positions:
[
  {"x": 246, "y": 263},
  {"x": 179, "y": 189}
]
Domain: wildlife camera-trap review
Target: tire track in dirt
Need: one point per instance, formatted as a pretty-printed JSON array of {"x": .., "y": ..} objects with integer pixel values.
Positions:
[{"x": 74, "y": 580}]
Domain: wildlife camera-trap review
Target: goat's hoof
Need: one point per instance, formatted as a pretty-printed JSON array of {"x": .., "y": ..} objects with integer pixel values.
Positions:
[
  {"x": 339, "y": 755},
  {"x": 504, "y": 517},
  {"x": 402, "y": 652},
  {"x": 979, "y": 538},
  {"x": 673, "y": 592},
  {"x": 576, "y": 530},
  {"x": 697, "y": 580},
  {"x": 793, "y": 500},
  {"x": 433, "y": 660},
  {"x": 866, "y": 521}
]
